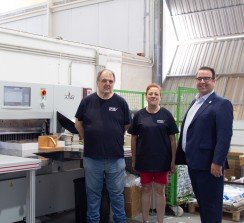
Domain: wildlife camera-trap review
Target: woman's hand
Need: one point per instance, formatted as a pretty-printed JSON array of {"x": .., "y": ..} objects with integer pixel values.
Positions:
[
  {"x": 133, "y": 167},
  {"x": 172, "y": 167}
]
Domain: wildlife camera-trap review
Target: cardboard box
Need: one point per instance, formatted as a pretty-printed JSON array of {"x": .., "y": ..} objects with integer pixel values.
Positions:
[
  {"x": 132, "y": 201},
  {"x": 47, "y": 141},
  {"x": 132, "y": 193},
  {"x": 241, "y": 157},
  {"x": 234, "y": 165},
  {"x": 133, "y": 209}
]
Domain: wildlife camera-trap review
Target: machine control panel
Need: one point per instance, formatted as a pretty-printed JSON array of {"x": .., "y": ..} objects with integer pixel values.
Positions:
[
  {"x": 16, "y": 96},
  {"x": 22, "y": 101},
  {"x": 43, "y": 102},
  {"x": 43, "y": 92}
]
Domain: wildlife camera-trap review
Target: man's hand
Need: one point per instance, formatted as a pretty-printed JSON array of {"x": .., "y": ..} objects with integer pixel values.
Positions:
[{"x": 216, "y": 170}]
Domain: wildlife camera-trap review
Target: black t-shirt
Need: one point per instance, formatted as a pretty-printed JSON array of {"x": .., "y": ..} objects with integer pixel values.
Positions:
[
  {"x": 103, "y": 123},
  {"x": 153, "y": 146}
]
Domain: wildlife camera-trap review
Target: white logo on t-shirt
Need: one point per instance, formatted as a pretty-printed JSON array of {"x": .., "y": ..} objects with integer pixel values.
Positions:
[
  {"x": 160, "y": 121},
  {"x": 112, "y": 109}
]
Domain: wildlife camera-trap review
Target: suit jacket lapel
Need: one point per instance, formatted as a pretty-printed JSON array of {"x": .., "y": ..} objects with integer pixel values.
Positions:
[{"x": 204, "y": 106}]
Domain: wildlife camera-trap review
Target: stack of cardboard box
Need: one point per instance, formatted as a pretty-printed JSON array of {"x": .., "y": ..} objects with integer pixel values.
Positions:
[{"x": 234, "y": 165}]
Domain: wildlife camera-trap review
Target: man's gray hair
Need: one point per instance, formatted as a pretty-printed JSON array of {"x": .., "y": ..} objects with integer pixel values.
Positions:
[{"x": 101, "y": 71}]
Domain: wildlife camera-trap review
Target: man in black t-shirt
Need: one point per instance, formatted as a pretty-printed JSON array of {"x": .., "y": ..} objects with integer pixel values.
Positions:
[{"x": 101, "y": 119}]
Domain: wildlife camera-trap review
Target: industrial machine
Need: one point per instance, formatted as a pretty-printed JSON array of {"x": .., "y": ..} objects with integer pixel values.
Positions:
[{"x": 28, "y": 110}]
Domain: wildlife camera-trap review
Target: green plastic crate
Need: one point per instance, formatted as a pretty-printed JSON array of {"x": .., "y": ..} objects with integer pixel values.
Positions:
[{"x": 177, "y": 102}]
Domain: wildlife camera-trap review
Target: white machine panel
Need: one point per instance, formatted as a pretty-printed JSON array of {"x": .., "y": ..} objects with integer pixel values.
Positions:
[
  {"x": 25, "y": 100},
  {"x": 28, "y": 110},
  {"x": 54, "y": 193},
  {"x": 38, "y": 101},
  {"x": 67, "y": 99}
]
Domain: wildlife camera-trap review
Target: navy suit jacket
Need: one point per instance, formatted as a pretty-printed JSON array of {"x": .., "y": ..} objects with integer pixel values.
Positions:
[{"x": 208, "y": 135}]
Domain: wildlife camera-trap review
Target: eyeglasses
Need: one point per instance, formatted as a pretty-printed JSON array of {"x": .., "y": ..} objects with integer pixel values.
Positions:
[{"x": 205, "y": 79}]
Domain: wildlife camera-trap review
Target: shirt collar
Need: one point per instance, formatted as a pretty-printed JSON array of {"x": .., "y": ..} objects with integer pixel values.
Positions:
[{"x": 204, "y": 97}]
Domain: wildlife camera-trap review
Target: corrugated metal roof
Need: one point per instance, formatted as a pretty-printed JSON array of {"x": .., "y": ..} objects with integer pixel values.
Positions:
[
  {"x": 178, "y": 7},
  {"x": 210, "y": 33},
  {"x": 217, "y": 22},
  {"x": 228, "y": 86},
  {"x": 227, "y": 57}
]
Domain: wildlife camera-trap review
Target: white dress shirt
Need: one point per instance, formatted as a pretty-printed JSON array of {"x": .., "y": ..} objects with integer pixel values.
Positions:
[{"x": 190, "y": 115}]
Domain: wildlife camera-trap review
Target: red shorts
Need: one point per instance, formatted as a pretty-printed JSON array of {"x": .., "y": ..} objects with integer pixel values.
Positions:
[{"x": 157, "y": 177}]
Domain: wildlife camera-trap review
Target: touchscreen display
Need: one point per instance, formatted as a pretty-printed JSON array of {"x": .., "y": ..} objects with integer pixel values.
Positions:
[{"x": 17, "y": 96}]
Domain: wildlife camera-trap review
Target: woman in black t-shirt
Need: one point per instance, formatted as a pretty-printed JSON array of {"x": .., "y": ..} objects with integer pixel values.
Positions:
[{"x": 153, "y": 145}]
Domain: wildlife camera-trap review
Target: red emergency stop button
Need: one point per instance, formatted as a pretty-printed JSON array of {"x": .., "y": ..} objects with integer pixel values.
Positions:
[{"x": 43, "y": 92}]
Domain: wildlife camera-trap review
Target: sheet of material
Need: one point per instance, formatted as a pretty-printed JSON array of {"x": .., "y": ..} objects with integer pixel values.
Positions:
[{"x": 14, "y": 164}]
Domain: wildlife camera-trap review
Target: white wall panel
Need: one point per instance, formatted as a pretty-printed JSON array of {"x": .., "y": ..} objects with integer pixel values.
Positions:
[
  {"x": 36, "y": 25},
  {"x": 79, "y": 24},
  {"x": 136, "y": 72},
  {"x": 83, "y": 75},
  {"x": 84, "y": 25},
  {"x": 135, "y": 23},
  {"x": 31, "y": 58},
  {"x": 61, "y": 24},
  {"x": 132, "y": 72},
  {"x": 30, "y": 68},
  {"x": 113, "y": 25}
]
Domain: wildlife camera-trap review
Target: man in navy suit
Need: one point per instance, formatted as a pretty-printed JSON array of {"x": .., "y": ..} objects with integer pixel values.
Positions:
[{"x": 204, "y": 144}]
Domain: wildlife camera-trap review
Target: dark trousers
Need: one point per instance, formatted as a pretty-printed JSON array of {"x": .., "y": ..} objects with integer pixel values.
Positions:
[{"x": 209, "y": 194}]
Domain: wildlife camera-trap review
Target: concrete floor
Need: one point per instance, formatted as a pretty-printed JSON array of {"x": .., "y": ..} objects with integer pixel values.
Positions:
[
  {"x": 69, "y": 217},
  {"x": 186, "y": 218}
]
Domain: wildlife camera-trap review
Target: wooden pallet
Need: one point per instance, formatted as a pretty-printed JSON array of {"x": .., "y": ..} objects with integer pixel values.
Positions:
[{"x": 236, "y": 213}]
